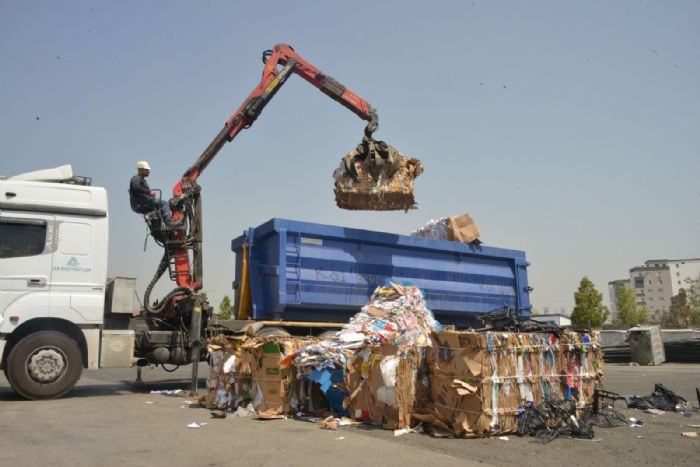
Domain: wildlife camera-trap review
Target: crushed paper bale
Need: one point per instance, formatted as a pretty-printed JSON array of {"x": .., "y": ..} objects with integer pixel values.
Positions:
[
  {"x": 277, "y": 390},
  {"x": 482, "y": 381},
  {"x": 230, "y": 380},
  {"x": 254, "y": 372},
  {"x": 374, "y": 191},
  {"x": 385, "y": 384}
]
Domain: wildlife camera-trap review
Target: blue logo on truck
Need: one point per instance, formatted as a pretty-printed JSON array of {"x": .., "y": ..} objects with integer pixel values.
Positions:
[{"x": 72, "y": 265}]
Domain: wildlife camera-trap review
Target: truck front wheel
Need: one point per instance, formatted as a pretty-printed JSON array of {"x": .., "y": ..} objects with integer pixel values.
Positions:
[{"x": 44, "y": 365}]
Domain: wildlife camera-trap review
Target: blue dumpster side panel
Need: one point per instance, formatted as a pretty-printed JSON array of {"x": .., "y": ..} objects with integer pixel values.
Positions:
[{"x": 301, "y": 271}]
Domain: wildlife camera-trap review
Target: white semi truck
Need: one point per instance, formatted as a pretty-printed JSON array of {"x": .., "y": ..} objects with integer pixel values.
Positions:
[{"x": 58, "y": 311}]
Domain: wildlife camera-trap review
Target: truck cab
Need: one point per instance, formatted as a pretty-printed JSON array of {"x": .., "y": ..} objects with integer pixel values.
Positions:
[{"x": 53, "y": 268}]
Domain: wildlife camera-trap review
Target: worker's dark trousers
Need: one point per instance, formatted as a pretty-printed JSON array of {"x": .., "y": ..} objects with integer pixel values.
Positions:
[{"x": 152, "y": 203}]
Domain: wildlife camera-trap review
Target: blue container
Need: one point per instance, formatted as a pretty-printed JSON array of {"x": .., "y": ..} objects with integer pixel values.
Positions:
[{"x": 300, "y": 271}]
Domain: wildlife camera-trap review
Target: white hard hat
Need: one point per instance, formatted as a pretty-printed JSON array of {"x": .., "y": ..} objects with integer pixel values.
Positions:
[{"x": 143, "y": 165}]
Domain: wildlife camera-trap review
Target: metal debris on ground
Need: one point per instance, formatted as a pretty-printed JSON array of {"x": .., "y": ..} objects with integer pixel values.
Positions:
[
  {"x": 603, "y": 409},
  {"x": 662, "y": 399},
  {"x": 554, "y": 419},
  {"x": 658, "y": 402}
]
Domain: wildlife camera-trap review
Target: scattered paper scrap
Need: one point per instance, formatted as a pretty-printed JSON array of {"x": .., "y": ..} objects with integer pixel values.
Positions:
[
  {"x": 503, "y": 438},
  {"x": 329, "y": 423},
  {"x": 193, "y": 425},
  {"x": 244, "y": 411},
  {"x": 636, "y": 423},
  {"x": 168, "y": 392},
  {"x": 408, "y": 429},
  {"x": 689, "y": 434}
]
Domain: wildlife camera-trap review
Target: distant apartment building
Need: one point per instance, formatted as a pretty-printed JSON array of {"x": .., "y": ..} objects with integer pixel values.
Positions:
[{"x": 656, "y": 282}]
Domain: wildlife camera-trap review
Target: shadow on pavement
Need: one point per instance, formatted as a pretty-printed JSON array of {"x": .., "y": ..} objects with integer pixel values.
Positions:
[{"x": 111, "y": 388}]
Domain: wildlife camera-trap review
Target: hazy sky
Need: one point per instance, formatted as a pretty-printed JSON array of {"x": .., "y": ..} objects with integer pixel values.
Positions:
[{"x": 569, "y": 130}]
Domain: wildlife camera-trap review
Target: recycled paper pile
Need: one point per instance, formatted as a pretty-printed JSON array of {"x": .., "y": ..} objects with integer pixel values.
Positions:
[
  {"x": 380, "y": 351},
  {"x": 395, "y": 315},
  {"x": 393, "y": 366}
]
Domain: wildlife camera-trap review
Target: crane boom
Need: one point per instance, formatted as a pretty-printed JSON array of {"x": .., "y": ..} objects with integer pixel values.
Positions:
[{"x": 183, "y": 243}]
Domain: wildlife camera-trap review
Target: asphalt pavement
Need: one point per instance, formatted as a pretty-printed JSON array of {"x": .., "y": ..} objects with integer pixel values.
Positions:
[{"x": 109, "y": 419}]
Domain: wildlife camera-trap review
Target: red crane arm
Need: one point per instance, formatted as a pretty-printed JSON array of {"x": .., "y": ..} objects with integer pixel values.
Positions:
[{"x": 273, "y": 77}]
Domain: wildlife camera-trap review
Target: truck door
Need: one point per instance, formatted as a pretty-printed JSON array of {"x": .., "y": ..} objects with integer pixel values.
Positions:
[
  {"x": 78, "y": 279},
  {"x": 26, "y": 260}
]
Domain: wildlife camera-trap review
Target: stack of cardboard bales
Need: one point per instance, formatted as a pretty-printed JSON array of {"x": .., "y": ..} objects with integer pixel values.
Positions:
[
  {"x": 385, "y": 384},
  {"x": 480, "y": 381}
]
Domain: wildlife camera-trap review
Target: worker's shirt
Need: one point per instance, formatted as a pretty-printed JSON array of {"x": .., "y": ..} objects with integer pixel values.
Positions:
[{"x": 139, "y": 191}]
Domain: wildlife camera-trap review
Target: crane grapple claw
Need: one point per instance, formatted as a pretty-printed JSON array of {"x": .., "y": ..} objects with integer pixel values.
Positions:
[{"x": 376, "y": 177}]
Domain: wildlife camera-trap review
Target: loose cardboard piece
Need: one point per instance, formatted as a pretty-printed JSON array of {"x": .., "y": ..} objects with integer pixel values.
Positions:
[{"x": 462, "y": 228}]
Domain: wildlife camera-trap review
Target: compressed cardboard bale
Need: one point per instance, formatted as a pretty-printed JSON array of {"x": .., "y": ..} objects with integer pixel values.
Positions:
[
  {"x": 480, "y": 382},
  {"x": 229, "y": 381},
  {"x": 386, "y": 384},
  {"x": 381, "y": 193},
  {"x": 277, "y": 388}
]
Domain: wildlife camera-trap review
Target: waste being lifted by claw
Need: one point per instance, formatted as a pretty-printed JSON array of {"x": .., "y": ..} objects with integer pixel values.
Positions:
[{"x": 376, "y": 177}]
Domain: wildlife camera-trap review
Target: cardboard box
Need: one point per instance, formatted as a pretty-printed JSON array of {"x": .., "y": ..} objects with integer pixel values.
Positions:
[
  {"x": 462, "y": 228},
  {"x": 480, "y": 382},
  {"x": 385, "y": 384}
]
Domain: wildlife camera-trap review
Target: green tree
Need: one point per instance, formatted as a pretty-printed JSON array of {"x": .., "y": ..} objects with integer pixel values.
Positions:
[
  {"x": 225, "y": 308},
  {"x": 589, "y": 309},
  {"x": 627, "y": 312},
  {"x": 680, "y": 313},
  {"x": 694, "y": 300}
]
